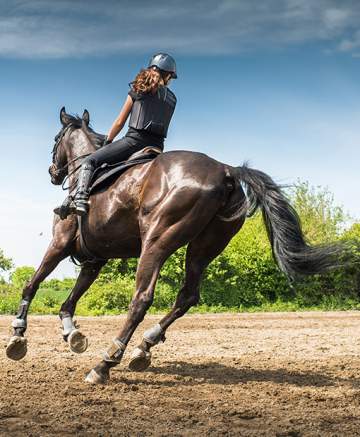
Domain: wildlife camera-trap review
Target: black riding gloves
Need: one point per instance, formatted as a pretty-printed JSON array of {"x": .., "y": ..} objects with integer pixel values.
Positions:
[{"x": 106, "y": 141}]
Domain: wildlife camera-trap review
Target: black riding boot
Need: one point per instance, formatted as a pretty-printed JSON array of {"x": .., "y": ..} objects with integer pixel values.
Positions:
[{"x": 81, "y": 198}]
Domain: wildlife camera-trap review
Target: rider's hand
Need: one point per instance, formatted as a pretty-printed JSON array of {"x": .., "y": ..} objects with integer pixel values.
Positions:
[{"x": 106, "y": 141}]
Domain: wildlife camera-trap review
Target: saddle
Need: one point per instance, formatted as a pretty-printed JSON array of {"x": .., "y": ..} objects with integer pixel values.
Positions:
[{"x": 105, "y": 174}]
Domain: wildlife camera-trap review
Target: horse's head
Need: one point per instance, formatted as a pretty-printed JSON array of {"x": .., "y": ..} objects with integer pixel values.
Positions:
[{"x": 60, "y": 156}]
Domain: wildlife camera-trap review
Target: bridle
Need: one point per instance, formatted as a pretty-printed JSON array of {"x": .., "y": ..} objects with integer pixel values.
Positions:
[{"x": 62, "y": 172}]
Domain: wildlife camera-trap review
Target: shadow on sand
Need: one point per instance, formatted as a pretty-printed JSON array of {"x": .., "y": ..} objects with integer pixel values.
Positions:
[{"x": 215, "y": 373}]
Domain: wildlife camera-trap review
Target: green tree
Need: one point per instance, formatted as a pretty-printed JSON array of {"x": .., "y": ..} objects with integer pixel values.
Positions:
[
  {"x": 6, "y": 264},
  {"x": 322, "y": 221},
  {"x": 353, "y": 233},
  {"x": 21, "y": 276},
  {"x": 118, "y": 269}
]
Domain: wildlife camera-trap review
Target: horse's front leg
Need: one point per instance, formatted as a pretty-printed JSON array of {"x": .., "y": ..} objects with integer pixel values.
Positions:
[
  {"x": 59, "y": 248},
  {"x": 146, "y": 276},
  {"x": 17, "y": 346},
  {"x": 72, "y": 335}
]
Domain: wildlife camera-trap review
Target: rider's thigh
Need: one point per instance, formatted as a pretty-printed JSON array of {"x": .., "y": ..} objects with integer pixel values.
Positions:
[{"x": 114, "y": 152}]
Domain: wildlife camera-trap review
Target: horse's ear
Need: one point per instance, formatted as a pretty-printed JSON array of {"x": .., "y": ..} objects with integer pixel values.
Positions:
[
  {"x": 86, "y": 117},
  {"x": 64, "y": 118}
]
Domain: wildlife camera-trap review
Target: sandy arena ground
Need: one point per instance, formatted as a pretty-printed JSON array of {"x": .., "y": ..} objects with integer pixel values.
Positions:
[{"x": 284, "y": 374}]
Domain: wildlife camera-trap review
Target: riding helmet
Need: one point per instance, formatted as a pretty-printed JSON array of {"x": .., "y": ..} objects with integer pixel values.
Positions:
[{"x": 164, "y": 62}]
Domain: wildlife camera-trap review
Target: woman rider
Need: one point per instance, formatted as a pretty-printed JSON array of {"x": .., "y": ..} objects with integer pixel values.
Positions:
[{"x": 150, "y": 105}]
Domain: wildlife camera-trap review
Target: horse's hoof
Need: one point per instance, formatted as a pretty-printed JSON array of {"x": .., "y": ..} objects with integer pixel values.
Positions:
[
  {"x": 95, "y": 378},
  {"x": 77, "y": 341},
  {"x": 16, "y": 348},
  {"x": 139, "y": 360}
]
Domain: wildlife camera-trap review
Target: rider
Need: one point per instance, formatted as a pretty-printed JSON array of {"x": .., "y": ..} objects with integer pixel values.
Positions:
[{"x": 150, "y": 105}]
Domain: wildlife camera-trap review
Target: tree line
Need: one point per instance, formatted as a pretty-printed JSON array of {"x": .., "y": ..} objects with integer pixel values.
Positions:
[{"x": 243, "y": 278}]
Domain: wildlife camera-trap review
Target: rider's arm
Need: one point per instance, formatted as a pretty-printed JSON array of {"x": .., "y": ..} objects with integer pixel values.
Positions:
[{"x": 121, "y": 119}]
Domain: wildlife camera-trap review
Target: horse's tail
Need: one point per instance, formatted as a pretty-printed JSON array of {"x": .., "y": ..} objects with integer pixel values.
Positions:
[{"x": 290, "y": 250}]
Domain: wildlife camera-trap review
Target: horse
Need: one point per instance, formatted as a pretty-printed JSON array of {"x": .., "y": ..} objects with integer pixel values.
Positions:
[{"x": 154, "y": 208}]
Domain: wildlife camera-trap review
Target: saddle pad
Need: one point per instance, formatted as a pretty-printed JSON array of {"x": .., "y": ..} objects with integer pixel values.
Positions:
[{"x": 106, "y": 174}]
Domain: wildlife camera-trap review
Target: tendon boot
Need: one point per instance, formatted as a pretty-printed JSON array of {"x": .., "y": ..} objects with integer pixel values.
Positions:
[{"x": 81, "y": 198}]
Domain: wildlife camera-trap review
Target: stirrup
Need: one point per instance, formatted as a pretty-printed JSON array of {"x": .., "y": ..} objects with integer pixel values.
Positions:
[
  {"x": 81, "y": 206},
  {"x": 65, "y": 209}
]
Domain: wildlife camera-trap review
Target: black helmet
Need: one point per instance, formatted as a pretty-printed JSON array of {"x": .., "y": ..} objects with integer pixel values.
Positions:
[{"x": 164, "y": 62}]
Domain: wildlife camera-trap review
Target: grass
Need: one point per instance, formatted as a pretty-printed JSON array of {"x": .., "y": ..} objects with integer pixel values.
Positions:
[{"x": 49, "y": 300}]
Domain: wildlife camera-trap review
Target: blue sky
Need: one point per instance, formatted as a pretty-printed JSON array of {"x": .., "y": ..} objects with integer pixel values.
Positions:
[{"x": 276, "y": 83}]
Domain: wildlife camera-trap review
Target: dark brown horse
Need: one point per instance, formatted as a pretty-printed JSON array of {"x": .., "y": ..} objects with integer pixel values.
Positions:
[{"x": 149, "y": 212}]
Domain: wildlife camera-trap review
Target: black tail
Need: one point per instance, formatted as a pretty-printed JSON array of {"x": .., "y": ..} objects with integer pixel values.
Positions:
[{"x": 293, "y": 255}]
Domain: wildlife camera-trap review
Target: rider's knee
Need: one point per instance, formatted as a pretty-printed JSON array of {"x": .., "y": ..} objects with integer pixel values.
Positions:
[{"x": 89, "y": 162}]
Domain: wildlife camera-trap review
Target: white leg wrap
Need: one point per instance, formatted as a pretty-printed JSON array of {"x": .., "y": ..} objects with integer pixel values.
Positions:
[
  {"x": 18, "y": 323},
  {"x": 154, "y": 335},
  {"x": 68, "y": 325},
  {"x": 115, "y": 352}
]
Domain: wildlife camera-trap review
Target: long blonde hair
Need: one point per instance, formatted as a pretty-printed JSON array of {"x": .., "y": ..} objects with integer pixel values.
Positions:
[{"x": 148, "y": 80}]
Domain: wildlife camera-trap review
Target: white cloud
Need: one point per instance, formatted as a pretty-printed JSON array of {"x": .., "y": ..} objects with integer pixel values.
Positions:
[
  {"x": 350, "y": 44},
  {"x": 47, "y": 29}
]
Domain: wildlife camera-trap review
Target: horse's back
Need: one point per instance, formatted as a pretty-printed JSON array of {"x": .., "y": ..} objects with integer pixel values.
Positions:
[
  {"x": 185, "y": 169},
  {"x": 181, "y": 171},
  {"x": 177, "y": 180}
]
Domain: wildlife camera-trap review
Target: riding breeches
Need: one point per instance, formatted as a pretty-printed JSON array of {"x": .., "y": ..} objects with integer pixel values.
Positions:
[{"x": 114, "y": 152}]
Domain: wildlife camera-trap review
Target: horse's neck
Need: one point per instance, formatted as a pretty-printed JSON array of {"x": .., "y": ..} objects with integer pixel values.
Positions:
[{"x": 78, "y": 147}]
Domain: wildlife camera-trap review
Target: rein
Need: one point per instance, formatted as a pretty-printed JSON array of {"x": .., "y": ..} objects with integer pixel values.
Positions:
[
  {"x": 90, "y": 257},
  {"x": 67, "y": 177},
  {"x": 65, "y": 167},
  {"x": 58, "y": 139}
]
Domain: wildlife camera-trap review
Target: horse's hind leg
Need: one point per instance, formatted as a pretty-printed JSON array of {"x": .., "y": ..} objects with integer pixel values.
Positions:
[
  {"x": 161, "y": 241},
  {"x": 72, "y": 335},
  {"x": 146, "y": 276},
  {"x": 58, "y": 250},
  {"x": 201, "y": 251}
]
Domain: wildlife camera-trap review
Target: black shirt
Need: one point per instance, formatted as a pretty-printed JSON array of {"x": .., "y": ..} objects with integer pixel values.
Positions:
[{"x": 143, "y": 136}]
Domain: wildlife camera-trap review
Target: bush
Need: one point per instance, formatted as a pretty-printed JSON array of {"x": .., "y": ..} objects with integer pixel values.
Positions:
[
  {"x": 21, "y": 276},
  {"x": 110, "y": 297},
  {"x": 9, "y": 299}
]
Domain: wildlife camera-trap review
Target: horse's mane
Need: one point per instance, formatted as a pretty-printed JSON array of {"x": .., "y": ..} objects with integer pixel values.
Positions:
[{"x": 76, "y": 122}]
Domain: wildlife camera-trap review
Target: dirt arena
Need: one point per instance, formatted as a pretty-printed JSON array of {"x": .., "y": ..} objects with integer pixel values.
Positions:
[{"x": 284, "y": 374}]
